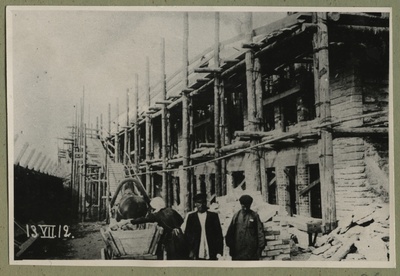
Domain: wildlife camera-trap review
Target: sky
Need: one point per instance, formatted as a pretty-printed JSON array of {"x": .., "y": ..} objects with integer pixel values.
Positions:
[{"x": 53, "y": 55}]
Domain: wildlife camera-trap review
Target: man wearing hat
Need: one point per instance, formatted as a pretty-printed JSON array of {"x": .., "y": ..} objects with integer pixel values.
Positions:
[
  {"x": 203, "y": 231},
  {"x": 245, "y": 236}
]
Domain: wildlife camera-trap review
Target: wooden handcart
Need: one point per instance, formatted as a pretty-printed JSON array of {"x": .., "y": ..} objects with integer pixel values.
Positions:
[{"x": 139, "y": 244}]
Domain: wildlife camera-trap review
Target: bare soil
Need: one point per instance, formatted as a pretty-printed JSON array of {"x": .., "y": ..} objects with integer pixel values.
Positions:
[{"x": 84, "y": 243}]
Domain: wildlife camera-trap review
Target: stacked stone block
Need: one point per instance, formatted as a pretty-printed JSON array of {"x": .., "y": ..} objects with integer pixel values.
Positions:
[{"x": 278, "y": 244}]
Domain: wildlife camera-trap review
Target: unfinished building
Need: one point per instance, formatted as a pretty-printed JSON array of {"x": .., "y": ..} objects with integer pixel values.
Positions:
[{"x": 298, "y": 115}]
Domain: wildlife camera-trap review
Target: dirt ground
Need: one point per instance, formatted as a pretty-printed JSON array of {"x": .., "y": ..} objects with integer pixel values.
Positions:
[{"x": 84, "y": 243}]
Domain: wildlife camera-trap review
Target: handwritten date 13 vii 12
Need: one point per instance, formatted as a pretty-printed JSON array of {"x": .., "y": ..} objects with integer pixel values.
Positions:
[{"x": 45, "y": 231}]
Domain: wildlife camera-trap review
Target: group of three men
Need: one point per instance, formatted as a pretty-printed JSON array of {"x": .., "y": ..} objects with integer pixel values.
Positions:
[{"x": 200, "y": 237}]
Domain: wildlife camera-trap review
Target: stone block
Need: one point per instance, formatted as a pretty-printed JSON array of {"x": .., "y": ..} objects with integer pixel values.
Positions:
[
  {"x": 282, "y": 246},
  {"x": 273, "y": 253},
  {"x": 331, "y": 251},
  {"x": 273, "y": 243},
  {"x": 265, "y": 258},
  {"x": 272, "y": 232},
  {"x": 321, "y": 249},
  {"x": 270, "y": 238},
  {"x": 283, "y": 257}
]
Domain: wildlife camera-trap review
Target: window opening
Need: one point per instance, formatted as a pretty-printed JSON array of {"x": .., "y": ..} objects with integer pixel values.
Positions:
[
  {"x": 239, "y": 180},
  {"x": 291, "y": 181},
  {"x": 271, "y": 183},
  {"x": 315, "y": 191}
]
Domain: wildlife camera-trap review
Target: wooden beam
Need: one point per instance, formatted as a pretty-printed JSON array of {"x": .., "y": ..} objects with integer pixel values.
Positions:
[
  {"x": 235, "y": 146},
  {"x": 166, "y": 102},
  {"x": 285, "y": 22},
  {"x": 203, "y": 80},
  {"x": 164, "y": 124},
  {"x": 359, "y": 131},
  {"x": 326, "y": 144},
  {"x": 224, "y": 136},
  {"x": 282, "y": 95},
  {"x": 206, "y": 153},
  {"x": 253, "y": 75},
  {"x": 149, "y": 185},
  {"x": 109, "y": 119},
  {"x": 207, "y": 145},
  {"x": 253, "y": 46},
  {"x": 126, "y": 149},
  {"x": 187, "y": 90},
  {"x": 316, "y": 68},
  {"x": 175, "y": 161},
  {"x": 362, "y": 29},
  {"x": 230, "y": 60},
  {"x": 154, "y": 108},
  {"x": 185, "y": 177},
  {"x": 207, "y": 70},
  {"x": 217, "y": 106},
  {"x": 252, "y": 134},
  {"x": 309, "y": 187},
  {"x": 151, "y": 161}
]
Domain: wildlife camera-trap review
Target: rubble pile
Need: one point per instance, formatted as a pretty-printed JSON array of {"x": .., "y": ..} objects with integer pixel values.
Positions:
[{"x": 364, "y": 235}]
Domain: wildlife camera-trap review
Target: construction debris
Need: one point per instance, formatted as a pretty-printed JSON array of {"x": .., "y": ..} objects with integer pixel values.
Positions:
[{"x": 362, "y": 236}]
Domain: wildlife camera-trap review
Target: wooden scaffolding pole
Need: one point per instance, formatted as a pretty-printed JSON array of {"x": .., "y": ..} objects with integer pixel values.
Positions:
[
  {"x": 136, "y": 122},
  {"x": 101, "y": 134},
  {"x": 117, "y": 146},
  {"x": 326, "y": 144},
  {"x": 164, "y": 186},
  {"x": 79, "y": 164},
  {"x": 252, "y": 171},
  {"x": 217, "y": 91},
  {"x": 315, "y": 68},
  {"x": 224, "y": 136},
  {"x": 185, "y": 183},
  {"x": 127, "y": 152},
  {"x": 84, "y": 172},
  {"x": 148, "y": 132},
  {"x": 109, "y": 120}
]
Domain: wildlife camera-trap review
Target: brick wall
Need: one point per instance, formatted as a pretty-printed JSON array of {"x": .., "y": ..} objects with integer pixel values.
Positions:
[
  {"x": 356, "y": 162},
  {"x": 302, "y": 182}
]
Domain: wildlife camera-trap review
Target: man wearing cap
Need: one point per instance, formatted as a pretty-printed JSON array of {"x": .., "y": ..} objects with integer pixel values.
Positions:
[
  {"x": 245, "y": 235},
  {"x": 203, "y": 231},
  {"x": 172, "y": 237}
]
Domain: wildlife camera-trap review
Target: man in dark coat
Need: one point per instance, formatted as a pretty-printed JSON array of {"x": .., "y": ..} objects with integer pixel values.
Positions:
[
  {"x": 203, "y": 232},
  {"x": 172, "y": 238},
  {"x": 245, "y": 236}
]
